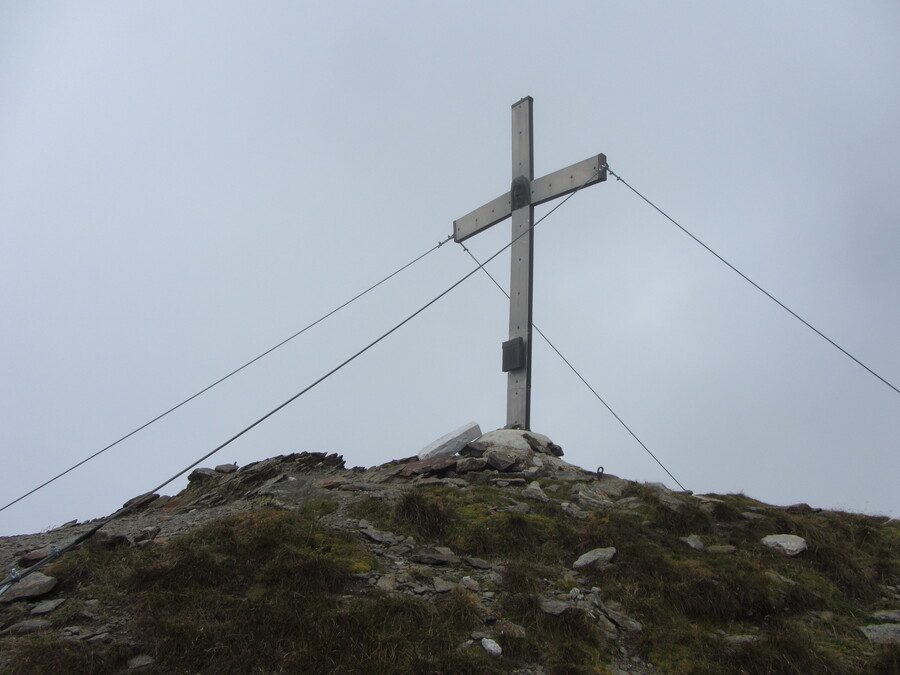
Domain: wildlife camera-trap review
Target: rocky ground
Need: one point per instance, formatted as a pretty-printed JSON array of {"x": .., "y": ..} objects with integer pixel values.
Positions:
[{"x": 508, "y": 460}]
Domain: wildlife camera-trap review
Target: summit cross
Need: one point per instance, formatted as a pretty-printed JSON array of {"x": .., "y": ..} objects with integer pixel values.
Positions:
[{"x": 525, "y": 193}]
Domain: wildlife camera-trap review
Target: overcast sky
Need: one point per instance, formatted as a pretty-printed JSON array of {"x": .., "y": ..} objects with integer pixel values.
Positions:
[{"x": 183, "y": 185}]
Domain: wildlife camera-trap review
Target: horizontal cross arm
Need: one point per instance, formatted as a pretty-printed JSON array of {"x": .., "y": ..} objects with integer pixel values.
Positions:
[{"x": 553, "y": 185}]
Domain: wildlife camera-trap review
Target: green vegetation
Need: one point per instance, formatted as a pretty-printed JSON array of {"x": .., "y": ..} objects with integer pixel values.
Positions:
[{"x": 275, "y": 591}]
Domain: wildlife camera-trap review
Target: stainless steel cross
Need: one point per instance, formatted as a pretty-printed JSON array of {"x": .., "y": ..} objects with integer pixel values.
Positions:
[{"x": 525, "y": 193}]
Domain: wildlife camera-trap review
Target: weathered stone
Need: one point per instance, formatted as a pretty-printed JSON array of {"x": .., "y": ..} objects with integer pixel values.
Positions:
[
  {"x": 789, "y": 544},
  {"x": 201, "y": 475},
  {"x": 554, "y": 607},
  {"x": 670, "y": 501},
  {"x": 694, "y": 541},
  {"x": 27, "y": 626},
  {"x": 591, "y": 497},
  {"x": 443, "y": 586},
  {"x": 477, "y": 563},
  {"x": 147, "y": 533},
  {"x": 467, "y": 464},
  {"x": 141, "y": 661},
  {"x": 491, "y": 647},
  {"x": 622, "y": 621},
  {"x": 500, "y": 459},
  {"x": 451, "y": 443},
  {"x": 35, "y": 556},
  {"x": 108, "y": 540},
  {"x": 226, "y": 468},
  {"x": 32, "y": 586},
  {"x": 517, "y": 439},
  {"x": 883, "y": 634},
  {"x": 574, "y": 511},
  {"x": 598, "y": 556},
  {"x": 534, "y": 491},
  {"x": 750, "y": 515},
  {"x": 387, "y": 582},
  {"x": 431, "y": 465},
  {"x": 47, "y": 606},
  {"x": 889, "y": 615},
  {"x": 470, "y": 584},
  {"x": 140, "y": 501},
  {"x": 435, "y": 555}
]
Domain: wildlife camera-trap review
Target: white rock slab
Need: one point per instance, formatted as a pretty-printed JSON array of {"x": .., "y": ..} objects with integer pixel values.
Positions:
[
  {"x": 512, "y": 438},
  {"x": 491, "y": 647},
  {"x": 450, "y": 444},
  {"x": 789, "y": 544}
]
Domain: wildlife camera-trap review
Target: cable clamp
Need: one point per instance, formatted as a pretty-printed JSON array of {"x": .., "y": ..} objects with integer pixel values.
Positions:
[
  {"x": 54, "y": 551},
  {"x": 14, "y": 573}
]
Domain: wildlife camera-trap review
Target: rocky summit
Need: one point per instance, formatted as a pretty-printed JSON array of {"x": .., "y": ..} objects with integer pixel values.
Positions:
[{"x": 486, "y": 554}]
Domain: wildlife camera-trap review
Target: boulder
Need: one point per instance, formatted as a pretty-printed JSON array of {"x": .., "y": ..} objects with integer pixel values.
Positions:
[
  {"x": 598, "y": 556},
  {"x": 889, "y": 615},
  {"x": 789, "y": 544},
  {"x": 226, "y": 468},
  {"x": 500, "y": 459},
  {"x": 534, "y": 491},
  {"x": 27, "y": 626},
  {"x": 883, "y": 634},
  {"x": 46, "y": 606},
  {"x": 435, "y": 555},
  {"x": 450, "y": 444},
  {"x": 467, "y": 464},
  {"x": 32, "y": 586}
]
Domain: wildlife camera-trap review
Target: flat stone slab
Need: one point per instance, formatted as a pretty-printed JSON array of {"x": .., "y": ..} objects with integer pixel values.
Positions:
[
  {"x": 47, "y": 606},
  {"x": 431, "y": 465},
  {"x": 598, "y": 556},
  {"x": 32, "y": 586},
  {"x": 789, "y": 544},
  {"x": 889, "y": 615},
  {"x": 694, "y": 541},
  {"x": 883, "y": 634},
  {"x": 27, "y": 626},
  {"x": 450, "y": 444}
]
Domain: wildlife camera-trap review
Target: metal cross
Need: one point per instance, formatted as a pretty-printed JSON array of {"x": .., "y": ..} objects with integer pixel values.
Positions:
[{"x": 525, "y": 193}]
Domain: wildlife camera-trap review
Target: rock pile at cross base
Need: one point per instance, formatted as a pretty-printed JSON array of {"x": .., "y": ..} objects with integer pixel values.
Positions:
[{"x": 512, "y": 461}]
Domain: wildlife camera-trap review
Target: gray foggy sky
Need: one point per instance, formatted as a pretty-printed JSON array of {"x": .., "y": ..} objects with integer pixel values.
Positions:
[{"x": 183, "y": 185}]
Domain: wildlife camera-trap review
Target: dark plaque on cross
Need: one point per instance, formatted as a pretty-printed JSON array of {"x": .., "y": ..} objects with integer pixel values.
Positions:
[{"x": 525, "y": 193}]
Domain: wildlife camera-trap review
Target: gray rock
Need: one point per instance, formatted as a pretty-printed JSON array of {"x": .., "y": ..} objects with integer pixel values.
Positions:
[
  {"x": 467, "y": 464},
  {"x": 491, "y": 647},
  {"x": 622, "y": 621},
  {"x": 749, "y": 515},
  {"x": 500, "y": 459},
  {"x": 450, "y": 444},
  {"x": 387, "y": 582},
  {"x": 226, "y": 468},
  {"x": 435, "y": 555},
  {"x": 591, "y": 497},
  {"x": 27, "y": 626},
  {"x": 694, "y": 541},
  {"x": 554, "y": 607},
  {"x": 201, "y": 475},
  {"x": 889, "y": 615},
  {"x": 147, "y": 534},
  {"x": 140, "y": 501},
  {"x": 789, "y": 544},
  {"x": 379, "y": 536},
  {"x": 443, "y": 586},
  {"x": 141, "y": 661},
  {"x": 883, "y": 634},
  {"x": 47, "y": 606},
  {"x": 534, "y": 491},
  {"x": 598, "y": 556},
  {"x": 477, "y": 563},
  {"x": 574, "y": 511},
  {"x": 32, "y": 586},
  {"x": 35, "y": 556}
]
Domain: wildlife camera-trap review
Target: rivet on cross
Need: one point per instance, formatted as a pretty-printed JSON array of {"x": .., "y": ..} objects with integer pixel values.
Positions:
[{"x": 525, "y": 193}]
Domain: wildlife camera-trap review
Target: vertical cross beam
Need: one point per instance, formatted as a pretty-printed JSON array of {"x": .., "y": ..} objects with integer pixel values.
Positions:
[
  {"x": 519, "y": 203},
  {"x": 518, "y": 394}
]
